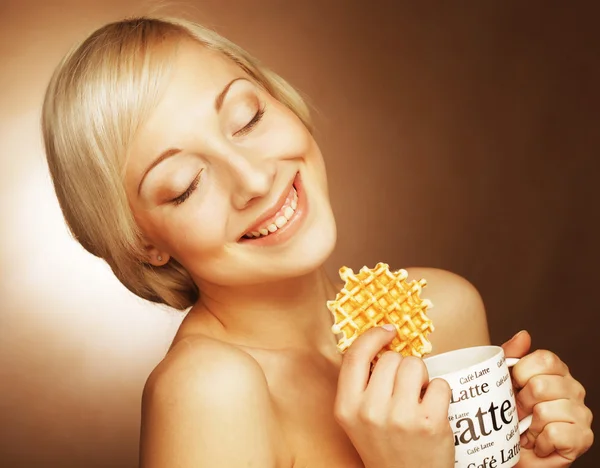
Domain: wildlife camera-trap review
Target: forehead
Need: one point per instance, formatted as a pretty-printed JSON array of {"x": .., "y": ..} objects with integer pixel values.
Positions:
[
  {"x": 195, "y": 79},
  {"x": 200, "y": 67}
]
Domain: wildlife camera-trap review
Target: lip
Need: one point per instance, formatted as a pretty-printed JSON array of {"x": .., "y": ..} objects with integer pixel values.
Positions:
[
  {"x": 284, "y": 233},
  {"x": 274, "y": 209}
]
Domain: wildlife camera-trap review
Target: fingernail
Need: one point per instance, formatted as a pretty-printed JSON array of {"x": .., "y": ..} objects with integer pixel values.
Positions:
[
  {"x": 389, "y": 327},
  {"x": 516, "y": 335}
]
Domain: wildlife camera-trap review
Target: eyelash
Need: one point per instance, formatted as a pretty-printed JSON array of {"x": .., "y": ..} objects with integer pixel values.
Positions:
[
  {"x": 250, "y": 125},
  {"x": 194, "y": 185},
  {"x": 184, "y": 196}
]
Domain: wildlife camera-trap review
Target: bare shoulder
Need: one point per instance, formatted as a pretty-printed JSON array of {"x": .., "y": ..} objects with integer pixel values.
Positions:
[
  {"x": 458, "y": 313},
  {"x": 207, "y": 404},
  {"x": 200, "y": 357},
  {"x": 200, "y": 366}
]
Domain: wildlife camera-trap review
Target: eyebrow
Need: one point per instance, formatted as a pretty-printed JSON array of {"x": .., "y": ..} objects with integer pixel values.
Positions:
[
  {"x": 221, "y": 97},
  {"x": 173, "y": 151}
]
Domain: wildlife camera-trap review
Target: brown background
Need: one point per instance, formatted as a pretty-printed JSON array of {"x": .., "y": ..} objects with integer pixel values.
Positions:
[{"x": 461, "y": 137}]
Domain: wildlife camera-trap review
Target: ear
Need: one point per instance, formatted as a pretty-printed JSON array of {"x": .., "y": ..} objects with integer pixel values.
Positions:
[{"x": 156, "y": 257}]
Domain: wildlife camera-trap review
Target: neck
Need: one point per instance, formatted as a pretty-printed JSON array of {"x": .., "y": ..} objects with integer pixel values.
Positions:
[{"x": 291, "y": 313}]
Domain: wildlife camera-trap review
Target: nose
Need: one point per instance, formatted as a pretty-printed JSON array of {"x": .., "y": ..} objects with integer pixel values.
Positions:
[{"x": 252, "y": 180}]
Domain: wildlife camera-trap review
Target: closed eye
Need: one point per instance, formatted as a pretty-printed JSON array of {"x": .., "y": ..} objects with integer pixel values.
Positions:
[
  {"x": 250, "y": 125},
  {"x": 185, "y": 195}
]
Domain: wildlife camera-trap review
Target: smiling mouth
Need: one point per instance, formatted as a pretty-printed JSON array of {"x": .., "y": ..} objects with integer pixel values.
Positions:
[{"x": 285, "y": 214}]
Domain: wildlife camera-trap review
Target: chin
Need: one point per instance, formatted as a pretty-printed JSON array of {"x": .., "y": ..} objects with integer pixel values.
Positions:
[
  {"x": 303, "y": 256},
  {"x": 310, "y": 252},
  {"x": 299, "y": 257}
]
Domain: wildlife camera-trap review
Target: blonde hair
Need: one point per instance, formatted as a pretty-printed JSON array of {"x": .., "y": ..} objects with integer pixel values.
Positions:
[{"x": 97, "y": 98}]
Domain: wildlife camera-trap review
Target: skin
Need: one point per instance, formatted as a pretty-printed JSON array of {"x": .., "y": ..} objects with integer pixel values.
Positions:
[{"x": 253, "y": 377}]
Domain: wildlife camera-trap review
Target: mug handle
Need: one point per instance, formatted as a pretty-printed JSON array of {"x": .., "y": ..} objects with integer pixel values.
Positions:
[{"x": 526, "y": 421}]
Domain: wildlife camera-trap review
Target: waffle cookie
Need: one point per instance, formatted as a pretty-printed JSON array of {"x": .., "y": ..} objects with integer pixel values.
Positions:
[{"x": 374, "y": 297}]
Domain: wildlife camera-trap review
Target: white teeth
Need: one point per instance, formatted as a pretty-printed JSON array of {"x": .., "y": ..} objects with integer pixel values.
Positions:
[
  {"x": 281, "y": 221},
  {"x": 288, "y": 213}
]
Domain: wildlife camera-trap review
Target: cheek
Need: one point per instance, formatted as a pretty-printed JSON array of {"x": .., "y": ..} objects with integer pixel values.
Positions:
[
  {"x": 287, "y": 134},
  {"x": 297, "y": 140},
  {"x": 193, "y": 231},
  {"x": 293, "y": 139},
  {"x": 201, "y": 232}
]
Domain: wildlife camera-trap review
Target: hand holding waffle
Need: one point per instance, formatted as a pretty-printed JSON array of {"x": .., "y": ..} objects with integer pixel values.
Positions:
[
  {"x": 388, "y": 418},
  {"x": 378, "y": 296}
]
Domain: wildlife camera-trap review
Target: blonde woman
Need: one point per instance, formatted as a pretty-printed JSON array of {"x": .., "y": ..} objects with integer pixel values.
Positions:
[{"x": 191, "y": 169}]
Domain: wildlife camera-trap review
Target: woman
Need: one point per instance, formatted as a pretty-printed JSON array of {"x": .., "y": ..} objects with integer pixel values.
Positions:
[{"x": 191, "y": 169}]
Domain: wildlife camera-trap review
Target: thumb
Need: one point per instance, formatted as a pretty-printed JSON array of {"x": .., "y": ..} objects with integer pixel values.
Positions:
[{"x": 518, "y": 345}]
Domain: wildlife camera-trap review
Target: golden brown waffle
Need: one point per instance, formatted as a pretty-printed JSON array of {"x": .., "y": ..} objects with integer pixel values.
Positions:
[{"x": 374, "y": 297}]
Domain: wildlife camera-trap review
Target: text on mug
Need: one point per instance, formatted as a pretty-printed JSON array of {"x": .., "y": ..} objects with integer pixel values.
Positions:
[{"x": 471, "y": 429}]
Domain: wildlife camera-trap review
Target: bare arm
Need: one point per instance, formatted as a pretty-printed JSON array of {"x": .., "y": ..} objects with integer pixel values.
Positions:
[
  {"x": 207, "y": 405},
  {"x": 458, "y": 313}
]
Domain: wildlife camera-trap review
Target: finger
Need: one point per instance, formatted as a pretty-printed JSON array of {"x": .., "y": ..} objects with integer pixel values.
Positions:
[
  {"x": 553, "y": 411},
  {"x": 531, "y": 460},
  {"x": 540, "y": 362},
  {"x": 567, "y": 411},
  {"x": 568, "y": 440},
  {"x": 545, "y": 388},
  {"x": 437, "y": 397},
  {"x": 356, "y": 363},
  {"x": 411, "y": 377},
  {"x": 381, "y": 383},
  {"x": 518, "y": 346}
]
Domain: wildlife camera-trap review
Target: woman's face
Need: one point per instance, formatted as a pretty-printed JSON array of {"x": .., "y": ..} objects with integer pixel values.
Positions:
[{"x": 226, "y": 179}]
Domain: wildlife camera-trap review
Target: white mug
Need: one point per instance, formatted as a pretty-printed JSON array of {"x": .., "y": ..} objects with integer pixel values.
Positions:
[{"x": 483, "y": 412}]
